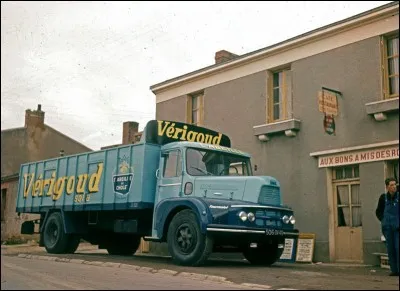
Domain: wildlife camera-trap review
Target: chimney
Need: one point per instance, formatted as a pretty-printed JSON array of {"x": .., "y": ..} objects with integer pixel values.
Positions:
[
  {"x": 34, "y": 118},
  {"x": 129, "y": 130},
  {"x": 223, "y": 56}
]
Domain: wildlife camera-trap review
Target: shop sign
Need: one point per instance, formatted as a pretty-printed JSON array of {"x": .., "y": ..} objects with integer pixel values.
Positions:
[{"x": 357, "y": 157}]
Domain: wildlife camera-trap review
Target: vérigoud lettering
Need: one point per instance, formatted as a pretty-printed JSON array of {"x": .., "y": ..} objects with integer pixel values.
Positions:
[{"x": 170, "y": 130}]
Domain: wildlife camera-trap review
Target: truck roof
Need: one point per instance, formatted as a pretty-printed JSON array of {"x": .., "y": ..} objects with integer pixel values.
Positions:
[{"x": 188, "y": 144}]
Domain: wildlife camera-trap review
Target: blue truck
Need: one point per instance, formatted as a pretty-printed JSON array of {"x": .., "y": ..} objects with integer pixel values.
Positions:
[{"x": 181, "y": 184}]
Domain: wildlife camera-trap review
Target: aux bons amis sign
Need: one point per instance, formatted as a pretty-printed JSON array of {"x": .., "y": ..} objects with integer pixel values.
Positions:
[{"x": 358, "y": 157}]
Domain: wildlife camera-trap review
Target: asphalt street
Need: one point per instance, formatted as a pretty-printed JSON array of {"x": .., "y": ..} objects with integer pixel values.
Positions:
[
  {"x": 239, "y": 271},
  {"x": 24, "y": 274}
]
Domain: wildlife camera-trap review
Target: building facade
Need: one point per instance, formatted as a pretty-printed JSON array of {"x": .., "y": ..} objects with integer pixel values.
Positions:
[
  {"x": 320, "y": 112},
  {"x": 33, "y": 142}
]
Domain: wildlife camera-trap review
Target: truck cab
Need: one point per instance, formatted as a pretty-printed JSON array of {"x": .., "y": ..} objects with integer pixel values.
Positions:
[{"x": 208, "y": 200}]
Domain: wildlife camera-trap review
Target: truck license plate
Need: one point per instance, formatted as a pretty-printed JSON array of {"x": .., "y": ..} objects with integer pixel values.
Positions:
[{"x": 273, "y": 232}]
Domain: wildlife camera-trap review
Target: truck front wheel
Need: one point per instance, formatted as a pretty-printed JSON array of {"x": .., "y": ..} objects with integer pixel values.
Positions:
[
  {"x": 55, "y": 240},
  {"x": 186, "y": 244},
  {"x": 263, "y": 254}
]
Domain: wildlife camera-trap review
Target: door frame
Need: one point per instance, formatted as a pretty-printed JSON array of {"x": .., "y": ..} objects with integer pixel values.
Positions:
[{"x": 332, "y": 207}]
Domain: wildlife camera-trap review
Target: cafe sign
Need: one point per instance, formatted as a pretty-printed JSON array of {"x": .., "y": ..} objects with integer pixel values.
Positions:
[
  {"x": 328, "y": 105},
  {"x": 357, "y": 157},
  {"x": 327, "y": 102}
]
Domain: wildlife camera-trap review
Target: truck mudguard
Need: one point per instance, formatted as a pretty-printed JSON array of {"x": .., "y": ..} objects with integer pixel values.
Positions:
[{"x": 167, "y": 208}]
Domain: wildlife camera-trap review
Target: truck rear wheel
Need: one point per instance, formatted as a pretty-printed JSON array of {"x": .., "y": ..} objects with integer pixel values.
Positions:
[
  {"x": 73, "y": 244},
  {"x": 264, "y": 254},
  {"x": 123, "y": 245},
  {"x": 55, "y": 240},
  {"x": 186, "y": 244}
]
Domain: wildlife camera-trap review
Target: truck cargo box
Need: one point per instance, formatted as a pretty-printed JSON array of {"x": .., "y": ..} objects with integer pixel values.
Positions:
[{"x": 112, "y": 179}]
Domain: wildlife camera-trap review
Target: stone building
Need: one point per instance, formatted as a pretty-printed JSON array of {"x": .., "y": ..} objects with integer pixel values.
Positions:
[{"x": 35, "y": 141}]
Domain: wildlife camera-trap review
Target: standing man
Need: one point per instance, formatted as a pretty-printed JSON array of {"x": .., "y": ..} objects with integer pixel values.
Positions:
[{"x": 388, "y": 213}]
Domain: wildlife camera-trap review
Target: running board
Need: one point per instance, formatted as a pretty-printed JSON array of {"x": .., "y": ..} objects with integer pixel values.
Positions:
[{"x": 151, "y": 238}]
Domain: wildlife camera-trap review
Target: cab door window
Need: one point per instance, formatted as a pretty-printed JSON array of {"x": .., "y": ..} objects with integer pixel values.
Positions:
[{"x": 172, "y": 164}]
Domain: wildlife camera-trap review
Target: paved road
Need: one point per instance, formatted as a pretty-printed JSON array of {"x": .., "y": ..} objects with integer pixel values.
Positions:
[
  {"x": 25, "y": 274},
  {"x": 280, "y": 275}
]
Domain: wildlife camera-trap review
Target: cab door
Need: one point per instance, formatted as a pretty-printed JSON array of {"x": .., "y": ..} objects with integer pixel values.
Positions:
[{"x": 169, "y": 176}]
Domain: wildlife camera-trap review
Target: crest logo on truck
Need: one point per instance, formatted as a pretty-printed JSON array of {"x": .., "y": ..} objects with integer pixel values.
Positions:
[{"x": 123, "y": 177}]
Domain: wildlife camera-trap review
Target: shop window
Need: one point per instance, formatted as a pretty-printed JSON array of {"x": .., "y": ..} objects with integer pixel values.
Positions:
[{"x": 393, "y": 170}]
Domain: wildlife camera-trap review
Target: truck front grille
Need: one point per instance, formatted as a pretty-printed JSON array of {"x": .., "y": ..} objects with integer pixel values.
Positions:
[
  {"x": 268, "y": 218},
  {"x": 269, "y": 195}
]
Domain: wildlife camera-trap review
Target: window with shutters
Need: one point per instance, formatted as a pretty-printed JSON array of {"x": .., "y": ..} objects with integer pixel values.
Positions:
[
  {"x": 279, "y": 95},
  {"x": 195, "y": 109},
  {"x": 279, "y": 112},
  {"x": 390, "y": 65}
]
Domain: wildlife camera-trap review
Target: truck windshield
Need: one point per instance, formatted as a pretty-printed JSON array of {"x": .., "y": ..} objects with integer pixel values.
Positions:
[{"x": 214, "y": 163}]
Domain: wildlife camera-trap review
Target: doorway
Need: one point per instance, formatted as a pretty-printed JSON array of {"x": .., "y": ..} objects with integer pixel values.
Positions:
[{"x": 347, "y": 218}]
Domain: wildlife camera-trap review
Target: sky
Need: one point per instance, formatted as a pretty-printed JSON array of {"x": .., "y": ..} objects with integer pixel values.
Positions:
[{"x": 90, "y": 64}]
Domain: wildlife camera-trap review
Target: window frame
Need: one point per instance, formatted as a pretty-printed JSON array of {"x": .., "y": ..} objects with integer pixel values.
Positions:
[
  {"x": 166, "y": 157},
  {"x": 350, "y": 205},
  {"x": 385, "y": 65},
  {"x": 392, "y": 170},
  {"x": 270, "y": 94},
  {"x": 200, "y": 109}
]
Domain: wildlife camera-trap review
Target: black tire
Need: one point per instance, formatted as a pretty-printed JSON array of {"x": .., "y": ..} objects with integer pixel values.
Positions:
[
  {"x": 55, "y": 240},
  {"x": 263, "y": 255},
  {"x": 123, "y": 245},
  {"x": 73, "y": 244},
  {"x": 186, "y": 244}
]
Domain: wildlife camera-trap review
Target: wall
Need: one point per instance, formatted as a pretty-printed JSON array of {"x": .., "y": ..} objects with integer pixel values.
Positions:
[
  {"x": 11, "y": 226},
  {"x": 174, "y": 109},
  {"x": 24, "y": 145}
]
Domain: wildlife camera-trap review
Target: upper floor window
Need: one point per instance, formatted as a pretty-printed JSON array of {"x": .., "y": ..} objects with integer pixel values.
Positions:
[
  {"x": 390, "y": 49},
  {"x": 195, "y": 111},
  {"x": 279, "y": 104}
]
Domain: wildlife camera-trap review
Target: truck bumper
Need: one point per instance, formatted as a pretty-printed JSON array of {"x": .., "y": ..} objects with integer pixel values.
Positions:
[{"x": 267, "y": 232}]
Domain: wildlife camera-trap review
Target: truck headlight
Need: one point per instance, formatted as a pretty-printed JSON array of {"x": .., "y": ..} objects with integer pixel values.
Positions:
[
  {"x": 251, "y": 217},
  {"x": 243, "y": 215},
  {"x": 285, "y": 219},
  {"x": 292, "y": 219}
]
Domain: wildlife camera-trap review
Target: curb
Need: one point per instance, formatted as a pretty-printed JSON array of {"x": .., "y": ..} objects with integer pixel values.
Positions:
[{"x": 192, "y": 276}]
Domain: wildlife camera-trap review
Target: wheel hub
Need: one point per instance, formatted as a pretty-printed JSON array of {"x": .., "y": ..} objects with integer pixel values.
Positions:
[{"x": 185, "y": 238}]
